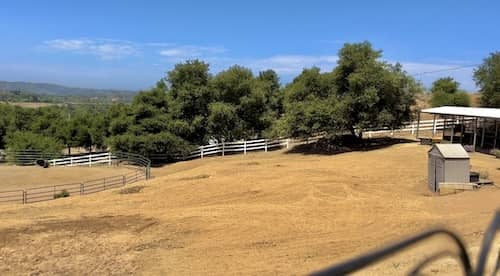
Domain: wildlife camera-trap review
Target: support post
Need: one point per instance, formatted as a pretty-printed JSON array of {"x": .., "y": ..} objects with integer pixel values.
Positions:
[
  {"x": 82, "y": 189},
  {"x": 434, "y": 125},
  {"x": 265, "y": 145},
  {"x": 223, "y": 148},
  {"x": 418, "y": 124},
  {"x": 71, "y": 160},
  {"x": 124, "y": 180},
  {"x": 201, "y": 151},
  {"x": 109, "y": 158},
  {"x": 462, "y": 129},
  {"x": 287, "y": 143},
  {"x": 496, "y": 135},
  {"x": 245, "y": 147},
  {"x": 452, "y": 132},
  {"x": 483, "y": 132},
  {"x": 90, "y": 160},
  {"x": 475, "y": 134},
  {"x": 444, "y": 127},
  {"x": 25, "y": 197}
]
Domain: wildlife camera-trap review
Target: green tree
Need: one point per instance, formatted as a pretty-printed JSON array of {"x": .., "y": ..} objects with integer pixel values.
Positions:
[
  {"x": 310, "y": 106},
  {"x": 26, "y": 140},
  {"x": 371, "y": 92},
  {"x": 362, "y": 92},
  {"x": 188, "y": 97},
  {"x": 223, "y": 123},
  {"x": 487, "y": 77},
  {"x": 445, "y": 91}
]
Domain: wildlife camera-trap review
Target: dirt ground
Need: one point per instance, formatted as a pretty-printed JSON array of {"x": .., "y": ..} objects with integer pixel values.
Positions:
[
  {"x": 259, "y": 214},
  {"x": 23, "y": 177}
]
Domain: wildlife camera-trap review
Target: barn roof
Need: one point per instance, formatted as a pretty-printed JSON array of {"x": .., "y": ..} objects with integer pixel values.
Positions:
[
  {"x": 452, "y": 151},
  {"x": 481, "y": 112}
]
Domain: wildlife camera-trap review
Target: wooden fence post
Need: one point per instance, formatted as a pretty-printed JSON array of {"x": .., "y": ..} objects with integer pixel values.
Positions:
[
  {"x": 71, "y": 160},
  {"x": 265, "y": 145},
  {"x": 201, "y": 151},
  {"x": 82, "y": 189},
  {"x": 222, "y": 148},
  {"x": 124, "y": 180},
  {"x": 90, "y": 160},
  {"x": 109, "y": 158},
  {"x": 104, "y": 183},
  {"x": 25, "y": 197},
  {"x": 287, "y": 143},
  {"x": 245, "y": 147}
]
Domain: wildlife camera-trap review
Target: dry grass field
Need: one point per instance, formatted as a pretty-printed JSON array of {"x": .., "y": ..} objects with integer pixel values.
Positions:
[
  {"x": 23, "y": 177},
  {"x": 259, "y": 214}
]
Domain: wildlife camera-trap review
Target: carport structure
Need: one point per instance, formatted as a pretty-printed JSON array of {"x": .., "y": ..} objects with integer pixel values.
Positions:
[{"x": 474, "y": 127}]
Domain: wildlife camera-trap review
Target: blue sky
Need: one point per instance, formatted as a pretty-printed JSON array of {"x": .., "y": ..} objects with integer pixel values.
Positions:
[{"x": 131, "y": 44}]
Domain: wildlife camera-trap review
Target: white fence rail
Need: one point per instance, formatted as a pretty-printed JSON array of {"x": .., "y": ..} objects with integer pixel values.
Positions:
[
  {"x": 241, "y": 146},
  {"x": 412, "y": 127},
  {"x": 89, "y": 159}
]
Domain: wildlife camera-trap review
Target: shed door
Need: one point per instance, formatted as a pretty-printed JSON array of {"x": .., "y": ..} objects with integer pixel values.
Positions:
[{"x": 438, "y": 173}]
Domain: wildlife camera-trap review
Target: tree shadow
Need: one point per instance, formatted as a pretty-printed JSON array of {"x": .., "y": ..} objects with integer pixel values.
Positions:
[{"x": 346, "y": 143}]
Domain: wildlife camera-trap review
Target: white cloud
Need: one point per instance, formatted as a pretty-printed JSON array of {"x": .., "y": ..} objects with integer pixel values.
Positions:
[
  {"x": 292, "y": 64},
  {"x": 190, "y": 51},
  {"x": 102, "y": 48}
]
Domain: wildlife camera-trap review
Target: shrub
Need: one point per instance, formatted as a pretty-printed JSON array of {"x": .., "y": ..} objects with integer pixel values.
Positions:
[{"x": 63, "y": 193}]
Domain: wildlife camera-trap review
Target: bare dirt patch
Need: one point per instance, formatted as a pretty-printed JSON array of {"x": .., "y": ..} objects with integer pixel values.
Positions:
[{"x": 55, "y": 246}]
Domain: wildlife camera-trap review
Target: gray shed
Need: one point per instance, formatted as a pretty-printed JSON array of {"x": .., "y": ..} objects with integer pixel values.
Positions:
[{"x": 448, "y": 163}]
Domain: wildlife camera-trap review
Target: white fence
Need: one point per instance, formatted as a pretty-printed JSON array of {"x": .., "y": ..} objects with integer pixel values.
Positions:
[
  {"x": 412, "y": 127},
  {"x": 90, "y": 159},
  {"x": 243, "y": 146}
]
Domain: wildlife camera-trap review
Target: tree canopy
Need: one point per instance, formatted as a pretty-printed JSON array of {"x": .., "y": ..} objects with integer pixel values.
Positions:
[
  {"x": 362, "y": 92},
  {"x": 445, "y": 91},
  {"x": 487, "y": 77}
]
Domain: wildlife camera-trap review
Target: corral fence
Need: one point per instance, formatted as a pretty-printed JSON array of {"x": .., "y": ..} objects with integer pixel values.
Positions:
[
  {"x": 141, "y": 171},
  {"x": 50, "y": 192}
]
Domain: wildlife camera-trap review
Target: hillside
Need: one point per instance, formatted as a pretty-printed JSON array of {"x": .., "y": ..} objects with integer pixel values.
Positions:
[
  {"x": 272, "y": 213},
  {"x": 58, "y": 90}
]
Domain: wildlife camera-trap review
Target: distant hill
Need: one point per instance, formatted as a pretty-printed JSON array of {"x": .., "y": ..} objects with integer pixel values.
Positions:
[
  {"x": 58, "y": 90},
  {"x": 53, "y": 93}
]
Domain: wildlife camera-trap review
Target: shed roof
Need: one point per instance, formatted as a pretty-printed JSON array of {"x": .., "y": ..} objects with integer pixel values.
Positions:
[
  {"x": 452, "y": 151},
  {"x": 481, "y": 112}
]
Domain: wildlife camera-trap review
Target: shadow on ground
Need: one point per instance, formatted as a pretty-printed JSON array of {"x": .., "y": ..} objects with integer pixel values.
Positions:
[{"x": 346, "y": 144}]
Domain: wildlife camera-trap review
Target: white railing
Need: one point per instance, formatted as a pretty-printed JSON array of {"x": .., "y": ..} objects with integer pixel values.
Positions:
[
  {"x": 241, "y": 146},
  {"x": 89, "y": 159}
]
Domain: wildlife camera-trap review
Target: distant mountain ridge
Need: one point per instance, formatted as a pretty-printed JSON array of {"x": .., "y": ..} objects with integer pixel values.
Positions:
[{"x": 59, "y": 90}]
